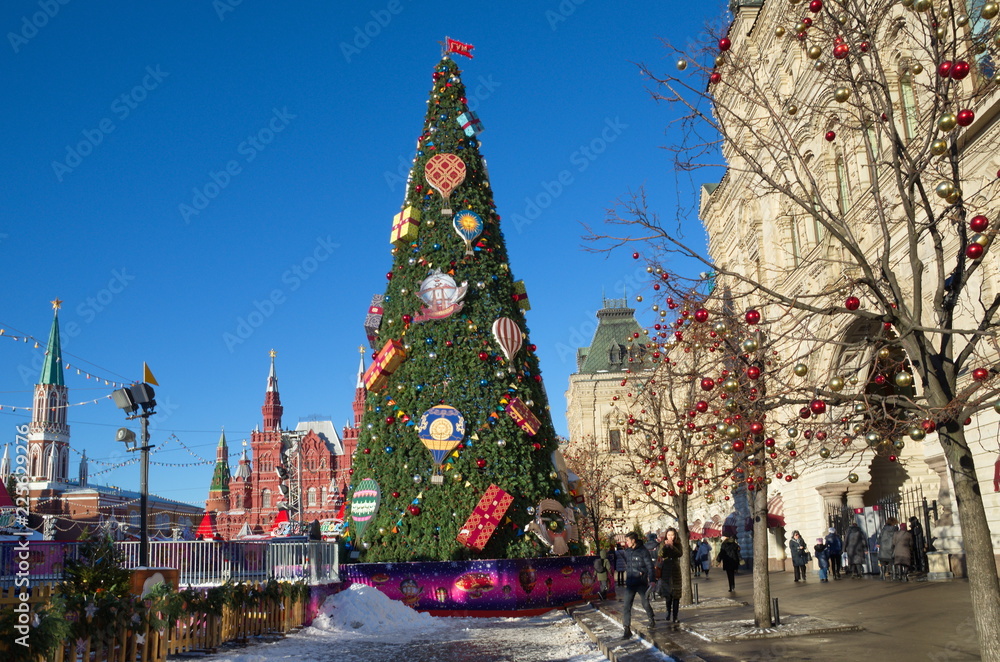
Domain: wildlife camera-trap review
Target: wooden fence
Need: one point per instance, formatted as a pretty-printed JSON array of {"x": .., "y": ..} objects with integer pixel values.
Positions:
[{"x": 191, "y": 632}]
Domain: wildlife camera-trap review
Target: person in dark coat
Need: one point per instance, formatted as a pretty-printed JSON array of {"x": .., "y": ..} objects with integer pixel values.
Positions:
[
  {"x": 885, "y": 556},
  {"x": 800, "y": 555},
  {"x": 670, "y": 573},
  {"x": 638, "y": 576},
  {"x": 620, "y": 565},
  {"x": 835, "y": 547},
  {"x": 902, "y": 553},
  {"x": 919, "y": 546},
  {"x": 822, "y": 559},
  {"x": 856, "y": 548},
  {"x": 703, "y": 557},
  {"x": 729, "y": 557},
  {"x": 602, "y": 567}
]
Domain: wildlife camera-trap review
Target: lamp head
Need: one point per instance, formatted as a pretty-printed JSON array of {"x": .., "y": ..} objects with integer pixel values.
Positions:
[{"x": 125, "y": 436}]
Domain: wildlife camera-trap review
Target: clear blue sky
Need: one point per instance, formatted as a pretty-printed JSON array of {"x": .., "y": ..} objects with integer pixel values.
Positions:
[{"x": 297, "y": 127}]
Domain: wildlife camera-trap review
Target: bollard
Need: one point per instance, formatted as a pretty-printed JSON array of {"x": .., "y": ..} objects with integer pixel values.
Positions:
[
  {"x": 694, "y": 587},
  {"x": 777, "y": 615}
]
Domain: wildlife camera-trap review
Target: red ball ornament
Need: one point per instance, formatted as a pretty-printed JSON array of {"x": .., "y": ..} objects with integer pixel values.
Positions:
[
  {"x": 864, "y": 46},
  {"x": 753, "y": 372},
  {"x": 753, "y": 317},
  {"x": 944, "y": 69},
  {"x": 407, "y": 319},
  {"x": 414, "y": 510},
  {"x": 707, "y": 384},
  {"x": 483, "y": 356},
  {"x": 537, "y": 446},
  {"x": 715, "y": 77},
  {"x": 805, "y": 412},
  {"x": 979, "y": 223},
  {"x": 788, "y": 478},
  {"x": 880, "y": 379},
  {"x": 635, "y": 256},
  {"x": 852, "y": 303},
  {"x": 831, "y": 136},
  {"x": 738, "y": 446},
  {"x": 965, "y": 117},
  {"x": 840, "y": 51},
  {"x": 808, "y": 22},
  {"x": 816, "y": 6},
  {"x": 725, "y": 44},
  {"x": 388, "y": 275},
  {"x": 537, "y": 378},
  {"x": 756, "y": 427},
  {"x": 367, "y": 451},
  {"x": 701, "y": 406},
  {"x": 980, "y": 374},
  {"x": 928, "y": 425},
  {"x": 974, "y": 251},
  {"x": 769, "y": 442},
  {"x": 395, "y": 495},
  {"x": 817, "y": 406},
  {"x": 960, "y": 69},
  {"x": 390, "y": 419},
  {"x": 701, "y": 315},
  {"x": 480, "y": 462}
]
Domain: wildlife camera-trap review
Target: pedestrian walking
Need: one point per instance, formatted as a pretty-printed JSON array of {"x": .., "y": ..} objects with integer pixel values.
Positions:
[
  {"x": 902, "y": 553},
  {"x": 638, "y": 576},
  {"x": 603, "y": 568},
  {"x": 704, "y": 557},
  {"x": 729, "y": 557},
  {"x": 835, "y": 546},
  {"x": 671, "y": 571},
  {"x": 822, "y": 554},
  {"x": 857, "y": 550},
  {"x": 885, "y": 556},
  {"x": 695, "y": 566},
  {"x": 620, "y": 565},
  {"x": 800, "y": 555}
]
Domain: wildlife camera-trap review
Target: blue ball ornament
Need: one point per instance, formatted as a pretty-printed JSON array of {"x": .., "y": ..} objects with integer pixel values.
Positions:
[
  {"x": 437, "y": 247},
  {"x": 483, "y": 382},
  {"x": 419, "y": 387},
  {"x": 429, "y": 341},
  {"x": 389, "y": 449}
]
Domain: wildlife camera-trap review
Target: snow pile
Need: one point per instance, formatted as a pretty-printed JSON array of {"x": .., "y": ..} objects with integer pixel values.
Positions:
[{"x": 365, "y": 610}]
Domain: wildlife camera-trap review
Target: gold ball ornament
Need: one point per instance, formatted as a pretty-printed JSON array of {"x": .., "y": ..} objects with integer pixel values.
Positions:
[
  {"x": 872, "y": 438},
  {"x": 955, "y": 196},
  {"x": 939, "y": 147},
  {"x": 916, "y": 68},
  {"x": 836, "y": 384},
  {"x": 842, "y": 19},
  {"x": 819, "y": 65},
  {"x": 814, "y": 52},
  {"x": 682, "y": 65},
  {"x": 800, "y": 27},
  {"x": 801, "y": 370},
  {"x": 981, "y": 239},
  {"x": 749, "y": 346},
  {"x": 792, "y": 109},
  {"x": 779, "y": 32},
  {"x": 962, "y": 20},
  {"x": 945, "y": 12},
  {"x": 979, "y": 47},
  {"x": 720, "y": 60},
  {"x": 904, "y": 379},
  {"x": 883, "y": 353},
  {"x": 791, "y": 432},
  {"x": 922, "y": 5},
  {"x": 917, "y": 433},
  {"x": 899, "y": 444},
  {"x": 996, "y": 406},
  {"x": 841, "y": 94},
  {"x": 730, "y": 385},
  {"x": 852, "y": 478},
  {"x": 941, "y": 32},
  {"x": 944, "y": 189},
  {"x": 639, "y": 298},
  {"x": 824, "y": 452},
  {"x": 990, "y": 11},
  {"x": 947, "y": 122}
]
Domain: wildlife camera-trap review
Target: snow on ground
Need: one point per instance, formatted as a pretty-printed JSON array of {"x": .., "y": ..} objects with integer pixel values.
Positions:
[{"x": 361, "y": 624}]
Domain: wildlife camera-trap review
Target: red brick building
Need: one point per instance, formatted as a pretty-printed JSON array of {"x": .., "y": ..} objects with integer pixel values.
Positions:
[{"x": 304, "y": 470}]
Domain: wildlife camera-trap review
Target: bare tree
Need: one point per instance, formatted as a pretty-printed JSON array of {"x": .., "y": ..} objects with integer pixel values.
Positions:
[
  {"x": 859, "y": 140},
  {"x": 599, "y": 485}
]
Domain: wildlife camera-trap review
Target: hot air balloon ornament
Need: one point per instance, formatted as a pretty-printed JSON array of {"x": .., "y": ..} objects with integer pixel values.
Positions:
[
  {"x": 508, "y": 335},
  {"x": 445, "y": 172},
  {"x": 441, "y": 295},
  {"x": 441, "y": 428},
  {"x": 364, "y": 504},
  {"x": 468, "y": 225}
]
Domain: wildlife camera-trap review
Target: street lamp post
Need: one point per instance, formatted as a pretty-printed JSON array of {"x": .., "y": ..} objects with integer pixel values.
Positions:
[{"x": 130, "y": 400}]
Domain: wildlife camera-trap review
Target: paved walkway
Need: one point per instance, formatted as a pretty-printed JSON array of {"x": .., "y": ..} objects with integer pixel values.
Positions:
[{"x": 900, "y": 621}]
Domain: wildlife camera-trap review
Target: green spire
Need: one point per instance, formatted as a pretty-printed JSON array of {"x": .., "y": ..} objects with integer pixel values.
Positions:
[
  {"x": 52, "y": 369},
  {"x": 220, "y": 477}
]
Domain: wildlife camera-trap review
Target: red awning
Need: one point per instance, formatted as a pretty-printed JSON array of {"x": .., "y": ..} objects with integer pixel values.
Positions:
[
  {"x": 694, "y": 535},
  {"x": 711, "y": 531}
]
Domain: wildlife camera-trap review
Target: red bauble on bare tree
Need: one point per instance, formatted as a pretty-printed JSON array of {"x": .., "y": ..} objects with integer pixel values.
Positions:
[
  {"x": 852, "y": 303},
  {"x": 965, "y": 117},
  {"x": 974, "y": 251},
  {"x": 725, "y": 44},
  {"x": 960, "y": 69},
  {"x": 980, "y": 374},
  {"x": 830, "y": 136},
  {"x": 979, "y": 223},
  {"x": 753, "y": 317}
]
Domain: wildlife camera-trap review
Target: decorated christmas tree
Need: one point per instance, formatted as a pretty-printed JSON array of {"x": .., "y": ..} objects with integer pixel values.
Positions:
[{"x": 455, "y": 455}]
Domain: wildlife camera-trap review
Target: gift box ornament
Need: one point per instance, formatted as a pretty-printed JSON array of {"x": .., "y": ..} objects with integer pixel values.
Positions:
[
  {"x": 405, "y": 226},
  {"x": 521, "y": 295},
  {"x": 485, "y": 517},
  {"x": 470, "y": 123},
  {"x": 373, "y": 320},
  {"x": 523, "y": 416},
  {"x": 389, "y": 358}
]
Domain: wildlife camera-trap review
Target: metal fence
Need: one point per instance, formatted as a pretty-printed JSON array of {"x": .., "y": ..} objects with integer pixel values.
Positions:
[{"x": 201, "y": 563}]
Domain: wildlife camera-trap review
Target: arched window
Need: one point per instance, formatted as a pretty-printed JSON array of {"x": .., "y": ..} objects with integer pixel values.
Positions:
[
  {"x": 324, "y": 497},
  {"x": 265, "y": 498},
  {"x": 311, "y": 497},
  {"x": 909, "y": 103},
  {"x": 843, "y": 189}
]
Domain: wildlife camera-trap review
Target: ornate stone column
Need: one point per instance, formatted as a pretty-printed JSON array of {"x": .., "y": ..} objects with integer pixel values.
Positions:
[{"x": 856, "y": 493}]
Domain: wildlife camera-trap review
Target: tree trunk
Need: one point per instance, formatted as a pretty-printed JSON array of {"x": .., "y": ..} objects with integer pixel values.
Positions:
[
  {"x": 680, "y": 507},
  {"x": 762, "y": 616},
  {"x": 979, "y": 555}
]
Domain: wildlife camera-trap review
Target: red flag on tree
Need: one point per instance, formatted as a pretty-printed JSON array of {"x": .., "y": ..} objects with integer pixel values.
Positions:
[{"x": 452, "y": 46}]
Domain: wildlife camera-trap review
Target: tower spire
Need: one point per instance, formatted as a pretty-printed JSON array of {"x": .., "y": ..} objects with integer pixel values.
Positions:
[
  {"x": 272, "y": 408},
  {"x": 52, "y": 368},
  {"x": 48, "y": 433}
]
